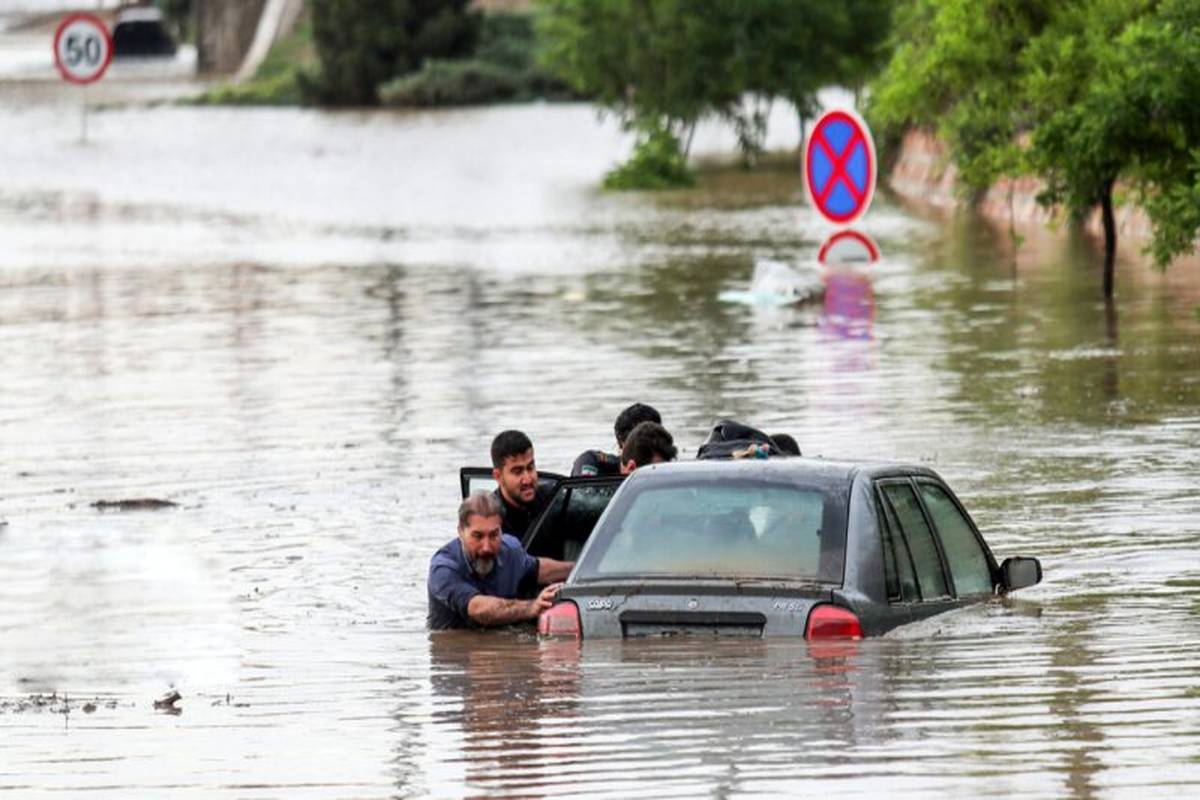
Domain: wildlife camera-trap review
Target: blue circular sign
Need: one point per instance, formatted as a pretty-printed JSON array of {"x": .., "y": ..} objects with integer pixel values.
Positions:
[{"x": 839, "y": 166}]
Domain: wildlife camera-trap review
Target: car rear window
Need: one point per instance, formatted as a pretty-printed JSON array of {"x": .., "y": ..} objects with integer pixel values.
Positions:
[{"x": 750, "y": 529}]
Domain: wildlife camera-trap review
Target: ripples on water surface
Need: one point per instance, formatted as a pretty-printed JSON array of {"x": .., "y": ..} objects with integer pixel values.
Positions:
[{"x": 298, "y": 326}]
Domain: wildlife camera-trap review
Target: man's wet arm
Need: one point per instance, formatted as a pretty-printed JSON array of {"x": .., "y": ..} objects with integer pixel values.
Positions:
[{"x": 488, "y": 610}]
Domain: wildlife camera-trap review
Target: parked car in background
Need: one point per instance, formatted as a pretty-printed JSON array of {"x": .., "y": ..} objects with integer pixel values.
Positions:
[
  {"x": 140, "y": 32},
  {"x": 776, "y": 547}
]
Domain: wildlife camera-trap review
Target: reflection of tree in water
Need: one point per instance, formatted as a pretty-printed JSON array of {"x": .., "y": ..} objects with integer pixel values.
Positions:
[
  {"x": 510, "y": 695},
  {"x": 1038, "y": 339}
]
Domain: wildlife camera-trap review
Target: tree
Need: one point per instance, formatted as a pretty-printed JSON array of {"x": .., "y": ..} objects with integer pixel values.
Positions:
[
  {"x": 1083, "y": 135},
  {"x": 956, "y": 70},
  {"x": 1088, "y": 95},
  {"x": 661, "y": 65},
  {"x": 363, "y": 43}
]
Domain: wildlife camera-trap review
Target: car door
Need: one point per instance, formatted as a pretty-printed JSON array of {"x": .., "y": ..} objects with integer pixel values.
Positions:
[
  {"x": 479, "y": 479},
  {"x": 564, "y": 527}
]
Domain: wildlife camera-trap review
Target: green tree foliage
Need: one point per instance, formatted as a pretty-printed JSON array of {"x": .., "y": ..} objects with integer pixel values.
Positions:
[
  {"x": 657, "y": 163},
  {"x": 363, "y": 43},
  {"x": 502, "y": 68},
  {"x": 178, "y": 14},
  {"x": 661, "y": 65},
  {"x": 1082, "y": 93}
]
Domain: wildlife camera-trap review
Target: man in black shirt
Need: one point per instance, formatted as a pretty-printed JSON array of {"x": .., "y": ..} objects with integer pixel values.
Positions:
[
  {"x": 598, "y": 462},
  {"x": 521, "y": 499}
]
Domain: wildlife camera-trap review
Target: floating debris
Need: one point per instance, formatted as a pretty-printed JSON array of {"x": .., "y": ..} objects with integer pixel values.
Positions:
[
  {"x": 167, "y": 702},
  {"x": 777, "y": 284},
  {"x": 137, "y": 504}
]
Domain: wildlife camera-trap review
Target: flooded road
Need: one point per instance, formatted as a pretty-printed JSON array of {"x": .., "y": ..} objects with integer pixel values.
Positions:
[{"x": 297, "y": 326}]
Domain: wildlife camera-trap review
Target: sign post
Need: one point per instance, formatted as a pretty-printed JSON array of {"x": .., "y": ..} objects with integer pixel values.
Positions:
[{"x": 82, "y": 52}]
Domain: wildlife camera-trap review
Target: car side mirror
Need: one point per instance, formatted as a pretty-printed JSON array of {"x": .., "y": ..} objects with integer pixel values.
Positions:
[{"x": 1018, "y": 572}]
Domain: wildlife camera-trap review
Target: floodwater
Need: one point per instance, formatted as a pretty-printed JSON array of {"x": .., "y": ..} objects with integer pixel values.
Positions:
[{"x": 297, "y": 326}]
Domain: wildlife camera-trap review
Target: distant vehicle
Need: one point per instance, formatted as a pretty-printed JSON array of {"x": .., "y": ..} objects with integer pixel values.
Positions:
[
  {"x": 776, "y": 547},
  {"x": 141, "y": 33}
]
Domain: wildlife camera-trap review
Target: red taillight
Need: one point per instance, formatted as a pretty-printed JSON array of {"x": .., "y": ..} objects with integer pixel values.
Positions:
[
  {"x": 560, "y": 619},
  {"x": 832, "y": 622}
]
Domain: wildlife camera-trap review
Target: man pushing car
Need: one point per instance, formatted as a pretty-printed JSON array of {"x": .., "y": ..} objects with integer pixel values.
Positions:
[{"x": 484, "y": 578}]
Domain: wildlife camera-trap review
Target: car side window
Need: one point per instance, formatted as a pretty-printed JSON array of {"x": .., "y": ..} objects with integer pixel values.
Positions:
[
  {"x": 897, "y": 563},
  {"x": 968, "y": 563},
  {"x": 925, "y": 556}
]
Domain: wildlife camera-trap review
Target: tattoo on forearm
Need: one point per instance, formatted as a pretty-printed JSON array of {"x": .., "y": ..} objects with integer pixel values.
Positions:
[{"x": 498, "y": 611}]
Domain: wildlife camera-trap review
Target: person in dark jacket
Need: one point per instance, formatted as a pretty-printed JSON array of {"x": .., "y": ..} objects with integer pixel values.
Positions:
[
  {"x": 521, "y": 499},
  {"x": 598, "y": 462},
  {"x": 484, "y": 578}
]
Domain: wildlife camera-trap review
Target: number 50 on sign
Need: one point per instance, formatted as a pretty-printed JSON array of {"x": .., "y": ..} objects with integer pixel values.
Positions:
[{"x": 82, "y": 48}]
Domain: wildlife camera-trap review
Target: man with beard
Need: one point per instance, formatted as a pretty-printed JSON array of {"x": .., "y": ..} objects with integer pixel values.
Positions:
[
  {"x": 521, "y": 499},
  {"x": 484, "y": 578}
]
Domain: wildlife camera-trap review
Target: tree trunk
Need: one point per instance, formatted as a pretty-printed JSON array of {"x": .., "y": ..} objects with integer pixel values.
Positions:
[{"x": 1110, "y": 238}]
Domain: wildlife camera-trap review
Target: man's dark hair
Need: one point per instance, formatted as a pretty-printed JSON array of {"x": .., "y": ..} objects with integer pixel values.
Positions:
[
  {"x": 786, "y": 444},
  {"x": 647, "y": 440},
  {"x": 631, "y": 417},
  {"x": 508, "y": 444}
]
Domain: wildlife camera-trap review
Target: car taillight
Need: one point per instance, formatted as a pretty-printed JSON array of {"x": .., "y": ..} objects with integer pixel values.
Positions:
[
  {"x": 832, "y": 622},
  {"x": 560, "y": 619}
]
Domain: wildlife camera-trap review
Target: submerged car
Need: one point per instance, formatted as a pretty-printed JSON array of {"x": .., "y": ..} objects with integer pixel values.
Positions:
[{"x": 777, "y": 547}]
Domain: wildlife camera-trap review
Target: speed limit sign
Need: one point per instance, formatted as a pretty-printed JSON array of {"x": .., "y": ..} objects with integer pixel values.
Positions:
[{"x": 82, "y": 48}]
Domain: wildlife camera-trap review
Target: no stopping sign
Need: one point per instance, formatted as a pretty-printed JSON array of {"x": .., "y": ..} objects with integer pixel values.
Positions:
[{"x": 82, "y": 48}]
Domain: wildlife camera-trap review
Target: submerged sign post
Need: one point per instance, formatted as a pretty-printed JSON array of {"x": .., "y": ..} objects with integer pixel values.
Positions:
[{"x": 82, "y": 52}]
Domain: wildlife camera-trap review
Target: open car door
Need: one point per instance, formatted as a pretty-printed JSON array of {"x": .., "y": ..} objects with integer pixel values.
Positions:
[
  {"x": 479, "y": 479},
  {"x": 563, "y": 528}
]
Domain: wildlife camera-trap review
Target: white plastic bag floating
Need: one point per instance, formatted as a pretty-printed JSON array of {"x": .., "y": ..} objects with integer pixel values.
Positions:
[{"x": 777, "y": 284}]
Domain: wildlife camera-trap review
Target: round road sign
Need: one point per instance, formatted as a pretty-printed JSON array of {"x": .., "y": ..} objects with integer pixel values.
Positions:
[
  {"x": 82, "y": 48},
  {"x": 839, "y": 166}
]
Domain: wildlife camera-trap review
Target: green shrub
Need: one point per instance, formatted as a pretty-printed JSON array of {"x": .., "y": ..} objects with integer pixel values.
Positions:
[
  {"x": 657, "y": 163},
  {"x": 362, "y": 44},
  {"x": 503, "y": 69}
]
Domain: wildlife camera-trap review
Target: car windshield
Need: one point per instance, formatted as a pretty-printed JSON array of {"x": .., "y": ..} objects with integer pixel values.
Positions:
[{"x": 748, "y": 529}]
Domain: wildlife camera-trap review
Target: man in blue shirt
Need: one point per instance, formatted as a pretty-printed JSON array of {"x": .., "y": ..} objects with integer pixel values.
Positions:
[{"x": 484, "y": 578}]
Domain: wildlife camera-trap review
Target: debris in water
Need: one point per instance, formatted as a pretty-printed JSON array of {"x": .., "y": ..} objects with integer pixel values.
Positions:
[
  {"x": 138, "y": 504},
  {"x": 167, "y": 702},
  {"x": 777, "y": 284}
]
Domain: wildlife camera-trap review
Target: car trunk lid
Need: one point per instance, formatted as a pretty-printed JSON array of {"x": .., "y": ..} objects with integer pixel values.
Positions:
[{"x": 646, "y": 608}]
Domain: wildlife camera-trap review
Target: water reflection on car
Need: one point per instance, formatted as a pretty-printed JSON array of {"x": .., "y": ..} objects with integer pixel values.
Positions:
[{"x": 783, "y": 547}]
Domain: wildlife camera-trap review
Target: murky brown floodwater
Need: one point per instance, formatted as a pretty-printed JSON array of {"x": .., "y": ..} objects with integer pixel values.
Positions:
[{"x": 298, "y": 326}]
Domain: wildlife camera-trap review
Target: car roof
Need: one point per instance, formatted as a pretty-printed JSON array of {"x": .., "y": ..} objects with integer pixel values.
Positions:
[
  {"x": 790, "y": 468},
  {"x": 139, "y": 14}
]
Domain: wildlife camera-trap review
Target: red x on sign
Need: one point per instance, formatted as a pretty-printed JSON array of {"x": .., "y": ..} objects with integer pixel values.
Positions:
[{"x": 839, "y": 166}]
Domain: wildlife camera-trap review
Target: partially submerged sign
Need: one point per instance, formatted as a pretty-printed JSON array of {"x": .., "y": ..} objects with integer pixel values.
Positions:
[
  {"x": 848, "y": 248},
  {"x": 840, "y": 167}
]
